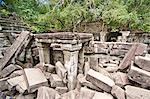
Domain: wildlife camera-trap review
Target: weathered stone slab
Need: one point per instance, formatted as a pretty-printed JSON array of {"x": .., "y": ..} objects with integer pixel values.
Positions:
[
  {"x": 140, "y": 49},
  {"x": 56, "y": 81},
  {"x": 14, "y": 49},
  {"x": 16, "y": 73},
  {"x": 60, "y": 70},
  {"x": 120, "y": 78},
  {"x": 140, "y": 76},
  {"x": 86, "y": 83},
  {"x": 19, "y": 82},
  {"x": 100, "y": 80},
  {"x": 128, "y": 57},
  {"x": 136, "y": 93},
  {"x": 9, "y": 69},
  {"x": 47, "y": 93},
  {"x": 34, "y": 78},
  {"x": 118, "y": 92},
  {"x": 61, "y": 90},
  {"x": 143, "y": 62}
]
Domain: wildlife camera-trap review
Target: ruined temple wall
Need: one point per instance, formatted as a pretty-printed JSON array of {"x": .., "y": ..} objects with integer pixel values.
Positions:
[{"x": 107, "y": 54}]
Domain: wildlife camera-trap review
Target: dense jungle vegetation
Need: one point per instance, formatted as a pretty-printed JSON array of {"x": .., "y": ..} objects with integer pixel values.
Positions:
[{"x": 43, "y": 15}]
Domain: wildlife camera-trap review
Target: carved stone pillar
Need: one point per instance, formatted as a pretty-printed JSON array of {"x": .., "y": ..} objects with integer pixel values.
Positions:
[{"x": 71, "y": 62}]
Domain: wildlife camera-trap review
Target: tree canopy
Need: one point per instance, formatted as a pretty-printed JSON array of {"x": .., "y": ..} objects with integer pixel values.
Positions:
[{"x": 43, "y": 15}]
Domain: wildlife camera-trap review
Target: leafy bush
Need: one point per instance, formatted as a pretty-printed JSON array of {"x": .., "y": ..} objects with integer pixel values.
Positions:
[{"x": 43, "y": 15}]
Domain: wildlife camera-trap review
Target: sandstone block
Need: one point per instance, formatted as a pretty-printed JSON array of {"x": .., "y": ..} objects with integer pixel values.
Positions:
[
  {"x": 19, "y": 82},
  {"x": 140, "y": 76},
  {"x": 34, "y": 78},
  {"x": 56, "y": 81},
  {"x": 100, "y": 80},
  {"x": 136, "y": 93},
  {"x": 143, "y": 62},
  {"x": 118, "y": 92}
]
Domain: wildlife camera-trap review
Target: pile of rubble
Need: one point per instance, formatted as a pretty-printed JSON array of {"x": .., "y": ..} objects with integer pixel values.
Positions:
[{"x": 60, "y": 81}]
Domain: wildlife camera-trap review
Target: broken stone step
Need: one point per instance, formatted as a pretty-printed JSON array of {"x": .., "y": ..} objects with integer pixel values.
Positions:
[
  {"x": 103, "y": 82},
  {"x": 136, "y": 92},
  {"x": 34, "y": 79},
  {"x": 56, "y": 81},
  {"x": 143, "y": 62},
  {"x": 140, "y": 76}
]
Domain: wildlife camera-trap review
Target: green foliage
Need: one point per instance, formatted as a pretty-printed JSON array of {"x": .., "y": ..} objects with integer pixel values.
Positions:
[{"x": 55, "y": 14}]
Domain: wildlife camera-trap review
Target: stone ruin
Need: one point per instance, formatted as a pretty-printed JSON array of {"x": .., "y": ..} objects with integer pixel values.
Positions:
[{"x": 68, "y": 65}]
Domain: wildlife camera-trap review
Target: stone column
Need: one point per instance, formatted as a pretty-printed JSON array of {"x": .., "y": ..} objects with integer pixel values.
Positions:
[
  {"x": 44, "y": 53},
  {"x": 71, "y": 63}
]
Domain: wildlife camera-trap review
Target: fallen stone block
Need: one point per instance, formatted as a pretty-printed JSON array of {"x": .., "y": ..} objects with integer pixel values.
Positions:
[
  {"x": 8, "y": 70},
  {"x": 136, "y": 93},
  {"x": 99, "y": 95},
  {"x": 3, "y": 85},
  {"x": 19, "y": 82},
  {"x": 41, "y": 67},
  {"x": 118, "y": 92},
  {"x": 82, "y": 80},
  {"x": 100, "y": 80},
  {"x": 140, "y": 76},
  {"x": 56, "y": 81},
  {"x": 143, "y": 62},
  {"x": 141, "y": 48},
  {"x": 34, "y": 78},
  {"x": 136, "y": 49},
  {"x": 120, "y": 78},
  {"x": 61, "y": 90},
  {"x": 16, "y": 47},
  {"x": 60, "y": 70},
  {"x": 16, "y": 73},
  {"x": 49, "y": 68},
  {"x": 126, "y": 62},
  {"x": 47, "y": 93}
]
